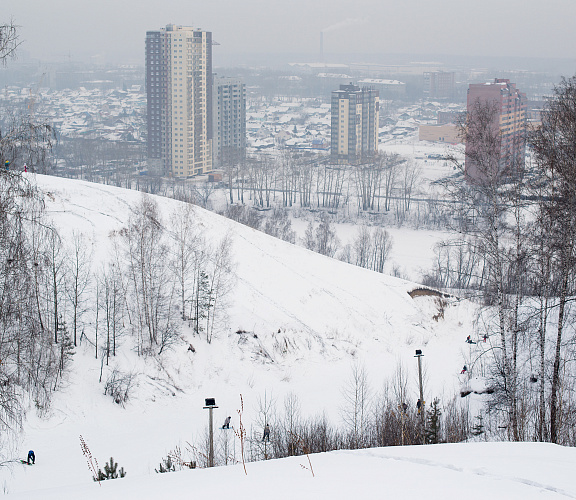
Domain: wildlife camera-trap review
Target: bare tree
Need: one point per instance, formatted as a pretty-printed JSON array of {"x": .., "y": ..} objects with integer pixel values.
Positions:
[
  {"x": 112, "y": 304},
  {"x": 279, "y": 225},
  {"x": 291, "y": 423},
  {"x": 262, "y": 448},
  {"x": 152, "y": 293},
  {"x": 356, "y": 409},
  {"x": 203, "y": 191},
  {"x": 411, "y": 175},
  {"x": 24, "y": 140},
  {"x": 381, "y": 248},
  {"x": 188, "y": 242},
  {"x": 391, "y": 166},
  {"x": 79, "y": 263},
  {"x": 230, "y": 158},
  {"x": 309, "y": 238},
  {"x": 221, "y": 279},
  {"x": 9, "y": 40},
  {"x": 363, "y": 247},
  {"x": 55, "y": 259},
  {"x": 327, "y": 241}
]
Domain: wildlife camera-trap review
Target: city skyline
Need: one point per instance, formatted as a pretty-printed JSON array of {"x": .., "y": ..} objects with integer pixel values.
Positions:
[{"x": 63, "y": 28}]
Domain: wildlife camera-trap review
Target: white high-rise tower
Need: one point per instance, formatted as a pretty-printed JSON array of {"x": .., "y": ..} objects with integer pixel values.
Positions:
[{"x": 179, "y": 93}]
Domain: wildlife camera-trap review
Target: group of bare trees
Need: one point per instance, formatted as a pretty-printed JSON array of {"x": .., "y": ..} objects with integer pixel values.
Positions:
[
  {"x": 263, "y": 189},
  {"x": 515, "y": 254},
  {"x": 161, "y": 274},
  {"x": 99, "y": 160},
  {"x": 159, "y": 277},
  {"x": 370, "y": 248},
  {"x": 35, "y": 342},
  {"x": 368, "y": 419},
  {"x": 554, "y": 145},
  {"x": 308, "y": 180}
]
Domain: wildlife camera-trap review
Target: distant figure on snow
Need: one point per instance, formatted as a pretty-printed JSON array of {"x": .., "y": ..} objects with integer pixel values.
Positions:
[
  {"x": 464, "y": 370},
  {"x": 266, "y": 436},
  {"x": 226, "y": 423},
  {"x": 469, "y": 340},
  {"x": 25, "y": 168},
  {"x": 7, "y": 165},
  {"x": 419, "y": 405},
  {"x": 485, "y": 337},
  {"x": 32, "y": 457}
]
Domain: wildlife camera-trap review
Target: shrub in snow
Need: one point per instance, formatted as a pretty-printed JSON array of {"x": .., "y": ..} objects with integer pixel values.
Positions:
[
  {"x": 166, "y": 465},
  {"x": 110, "y": 471},
  {"x": 118, "y": 386}
]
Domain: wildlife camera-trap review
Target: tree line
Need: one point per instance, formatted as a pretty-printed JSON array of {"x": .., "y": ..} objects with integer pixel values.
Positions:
[{"x": 368, "y": 419}]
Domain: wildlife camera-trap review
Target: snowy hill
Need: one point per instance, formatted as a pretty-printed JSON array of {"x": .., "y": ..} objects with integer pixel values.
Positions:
[{"x": 296, "y": 324}]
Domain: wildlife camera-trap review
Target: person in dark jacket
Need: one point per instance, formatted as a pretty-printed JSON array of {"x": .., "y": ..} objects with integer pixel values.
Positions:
[
  {"x": 227, "y": 423},
  {"x": 266, "y": 436},
  {"x": 32, "y": 457}
]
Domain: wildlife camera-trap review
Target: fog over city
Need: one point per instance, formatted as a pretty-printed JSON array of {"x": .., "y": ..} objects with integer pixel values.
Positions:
[{"x": 114, "y": 31}]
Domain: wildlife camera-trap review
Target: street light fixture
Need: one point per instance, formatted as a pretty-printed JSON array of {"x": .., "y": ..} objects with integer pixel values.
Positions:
[
  {"x": 422, "y": 403},
  {"x": 210, "y": 405}
]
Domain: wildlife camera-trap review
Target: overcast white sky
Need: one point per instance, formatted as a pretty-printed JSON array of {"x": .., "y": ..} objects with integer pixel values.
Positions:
[{"x": 115, "y": 29}]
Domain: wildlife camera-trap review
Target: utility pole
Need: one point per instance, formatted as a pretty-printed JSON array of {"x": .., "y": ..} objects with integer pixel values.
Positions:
[
  {"x": 210, "y": 405},
  {"x": 422, "y": 402}
]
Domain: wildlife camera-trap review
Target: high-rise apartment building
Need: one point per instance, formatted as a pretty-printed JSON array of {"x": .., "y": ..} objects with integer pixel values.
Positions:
[
  {"x": 439, "y": 84},
  {"x": 507, "y": 112},
  {"x": 354, "y": 131},
  {"x": 229, "y": 120},
  {"x": 179, "y": 93}
]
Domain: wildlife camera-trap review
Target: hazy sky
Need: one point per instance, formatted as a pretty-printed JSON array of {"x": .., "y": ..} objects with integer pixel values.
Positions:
[{"x": 115, "y": 29}]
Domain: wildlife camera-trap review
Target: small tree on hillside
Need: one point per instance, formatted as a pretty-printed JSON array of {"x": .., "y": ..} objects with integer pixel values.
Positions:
[
  {"x": 110, "y": 471},
  {"x": 433, "y": 423}
]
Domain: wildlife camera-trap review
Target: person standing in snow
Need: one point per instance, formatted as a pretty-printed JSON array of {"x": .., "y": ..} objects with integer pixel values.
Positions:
[
  {"x": 226, "y": 423},
  {"x": 266, "y": 436},
  {"x": 32, "y": 457},
  {"x": 25, "y": 168},
  {"x": 464, "y": 370},
  {"x": 7, "y": 165}
]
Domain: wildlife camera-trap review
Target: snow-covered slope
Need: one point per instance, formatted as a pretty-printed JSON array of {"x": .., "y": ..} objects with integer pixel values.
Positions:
[
  {"x": 306, "y": 319},
  {"x": 476, "y": 471}
]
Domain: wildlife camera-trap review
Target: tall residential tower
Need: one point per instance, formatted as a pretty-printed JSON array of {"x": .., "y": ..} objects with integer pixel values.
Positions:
[
  {"x": 354, "y": 130},
  {"x": 229, "y": 108},
  {"x": 179, "y": 93},
  {"x": 506, "y": 106}
]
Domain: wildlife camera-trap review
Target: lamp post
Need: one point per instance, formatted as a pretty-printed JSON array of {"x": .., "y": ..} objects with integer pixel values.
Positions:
[
  {"x": 210, "y": 405},
  {"x": 422, "y": 402}
]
